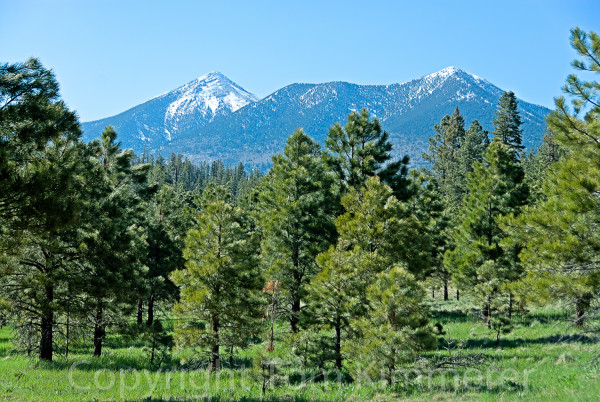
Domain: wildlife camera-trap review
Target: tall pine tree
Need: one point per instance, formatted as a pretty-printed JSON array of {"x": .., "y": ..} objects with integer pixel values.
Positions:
[{"x": 297, "y": 204}]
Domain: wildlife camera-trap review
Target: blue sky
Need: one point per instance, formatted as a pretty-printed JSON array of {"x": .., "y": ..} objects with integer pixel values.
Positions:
[{"x": 111, "y": 55}]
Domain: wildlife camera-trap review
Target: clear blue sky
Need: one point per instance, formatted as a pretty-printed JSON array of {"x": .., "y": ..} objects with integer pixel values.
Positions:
[{"x": 111, "y": 55}]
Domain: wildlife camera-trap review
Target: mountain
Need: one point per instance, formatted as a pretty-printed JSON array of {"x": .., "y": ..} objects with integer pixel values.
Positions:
[
  {"x": 408, "y": 111},
  {"x": 157, "y": 122}
]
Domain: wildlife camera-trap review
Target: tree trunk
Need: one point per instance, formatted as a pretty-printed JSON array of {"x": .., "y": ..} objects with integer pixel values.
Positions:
[
  {"x": 68, "y": 334},
  {"x": 486, "y": 315},
  {"x": 433, "y": 293},
  {"x": 457, "y": 295},
  {"x": 140, "y": 311},
  {"x": 99, "y": 331},
  {"x": 446, "y": 290},
  {"x": 271, "y": 346},
  {"x": 392, "y": 368},
  {"x": 338, "y": 344},
  {"x": 214, "y": 354},
  {"x": 295, "y": 318},
  {"x": 581, "y": 306},
  {"x": 151, "y": 309},
  {"x": 510, "y": 305},
  {"x": 46, "y": 326}
]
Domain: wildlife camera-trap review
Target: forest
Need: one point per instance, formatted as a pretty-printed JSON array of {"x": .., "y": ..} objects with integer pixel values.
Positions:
[{"x": 339, "y": 273}]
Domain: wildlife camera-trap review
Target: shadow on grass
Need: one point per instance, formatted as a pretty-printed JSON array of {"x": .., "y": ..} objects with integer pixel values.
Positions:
[
  {"x": 266, "y": 398},
  {"x": 116, "y": 363},
  {"x": 518, "y": 342},
  {"x": 452, "y": 316},
  {"x": 462, "y": 389},
  {"x": 5, "y": 339}
]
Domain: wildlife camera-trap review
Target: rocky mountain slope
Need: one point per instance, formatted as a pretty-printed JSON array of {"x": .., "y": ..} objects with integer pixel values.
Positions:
[{"x": 255, "y": 130}]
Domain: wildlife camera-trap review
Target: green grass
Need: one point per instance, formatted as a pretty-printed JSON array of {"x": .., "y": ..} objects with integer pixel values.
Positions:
[{"x": 543, "y": 358}]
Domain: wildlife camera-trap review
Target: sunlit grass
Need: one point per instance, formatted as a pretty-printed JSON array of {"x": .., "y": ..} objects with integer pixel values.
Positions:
[{"x": 542, "y": 358}]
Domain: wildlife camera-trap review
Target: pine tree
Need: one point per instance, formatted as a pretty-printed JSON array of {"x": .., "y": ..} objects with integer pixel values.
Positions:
[
  {"x": 219, "y": 286},
  {"x": 361, "y": 149},
  {"x": 166, "y": 223},
  {"x": 44, "y": 176},
  {"x": 428, "y": 207},
  {"x": 443, "y": 154},
  {"x": 471, "y": 150},
  {"x": 481, "y": 265},
  {"x": 560, "y": 233},
  {"x": 452, "y": 153},
  {"x": 333, "y": 297},
  {"x": 375, "y": 235},
  {"x": 536, "y": 164},
  {"x": 297, "y": 204},
  {"x": 395, "y": 328},
  {"x": 508, "y": 122},
  {"x": 115, "y": 240},
  {"x": 34, "y": 122}
]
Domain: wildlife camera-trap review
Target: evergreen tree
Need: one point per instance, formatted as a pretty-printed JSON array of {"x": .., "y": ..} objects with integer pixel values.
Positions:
[
  {"x": 40, "y": 263},
  {"x": 158, "y": 175},
  {"x": 429, "y": 209},
  {"x": 296, "y": 218},
  {"x": 45, "y": 181},
  {"x": 443, "y": 154},
  {"x": 333, "y": 297},
  {"x": 167, "y": 223},
  {"x": 471, "y": 150},
  {"x": 220, "y": 283},
  {"x": 452, "y": 153},
  {"x": 481, "y": 265},
  {"x": 376, "y": 234},
  {"x": 115, "y": 240},
  {"x": 536, "y": 164},
  {"x": 560, "y": 233},
  {"x": 361, "y": 149},
  {"x": 508, "y": 122},
  {"x": 34, "y": 122},
  {"x": 395, "y": 328}
]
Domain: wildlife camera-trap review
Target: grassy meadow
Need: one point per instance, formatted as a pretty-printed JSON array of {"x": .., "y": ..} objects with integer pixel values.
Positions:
[{"x": 542, "y": 358}]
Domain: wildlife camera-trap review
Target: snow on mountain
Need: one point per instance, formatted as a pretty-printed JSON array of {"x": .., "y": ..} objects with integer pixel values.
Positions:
[
  {"x": 193, "y": 105},
  {"x": 407, "y": 111},
  {"x": 213, "y": 118}
]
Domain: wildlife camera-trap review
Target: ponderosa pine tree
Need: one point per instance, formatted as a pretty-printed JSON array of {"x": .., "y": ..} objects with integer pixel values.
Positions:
[
  {"x": 166, "y": 224},
  {"x": 479, "y": 263},
  {"x": 43, "y": 259},
  {"x": 333, "y": 298},
  {"x": 296, "y": 208},
  {"x": 44, "y": 176},
  {"x": 361, "y": 149},
  {"x": 115, "y": 240},
  {"x": 428, "y": 207},
  {"x": 560, "y": 232},
  {"x": 452, "y": 152},
  {"x": 32, "y": 119},
  {"x": 471, "y": 150},
  {"x": 220, "y": 286},
  {"x": 395, "y": 328},
  {"x": 375, "y": 235},
  {"x": 444, "y": 148},
  {"x": 508, "y": 122},
  {"x": 536, "y": 164}
]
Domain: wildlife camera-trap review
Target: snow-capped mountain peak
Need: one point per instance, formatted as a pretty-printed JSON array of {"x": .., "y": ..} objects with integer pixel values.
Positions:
[
  {"x": 212, "y": 117},
  {"x": 192, "y": 105},
  {"x": 208, "y": 96}
]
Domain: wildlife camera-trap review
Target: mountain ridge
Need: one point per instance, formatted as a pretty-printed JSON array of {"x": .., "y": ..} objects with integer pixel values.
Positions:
[
  {"x": 408, "y": 111},
  {"x": 158, "y": 119}
]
